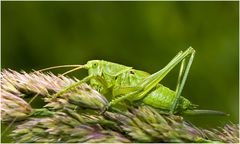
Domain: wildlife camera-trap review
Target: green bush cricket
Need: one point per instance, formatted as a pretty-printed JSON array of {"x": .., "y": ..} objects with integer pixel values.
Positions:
[{"x": 126, "y": 83}]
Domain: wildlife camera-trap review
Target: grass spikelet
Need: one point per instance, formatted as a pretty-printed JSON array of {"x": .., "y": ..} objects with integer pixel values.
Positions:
[
  {"x": 145, "y": 124},
  {"x": 36, "y": 82},
  {"x": 13, "y": 107},
  {"x": 228, "y": 134},
  {"x": 63, "y": 128}
]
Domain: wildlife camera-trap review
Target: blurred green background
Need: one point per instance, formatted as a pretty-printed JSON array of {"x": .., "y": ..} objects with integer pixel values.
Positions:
[{"x": 145, "y": 35}]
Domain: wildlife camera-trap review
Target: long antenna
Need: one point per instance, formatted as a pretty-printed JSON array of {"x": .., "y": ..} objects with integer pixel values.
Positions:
[
  {"x": 60, "y": 66},
  {"x": 72, "y": 70}
]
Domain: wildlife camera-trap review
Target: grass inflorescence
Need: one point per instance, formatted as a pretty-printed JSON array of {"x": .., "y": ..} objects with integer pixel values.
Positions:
[{"x": 76, "y": 117}]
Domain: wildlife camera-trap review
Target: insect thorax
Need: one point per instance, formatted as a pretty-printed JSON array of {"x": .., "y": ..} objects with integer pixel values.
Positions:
[{"x": 115, "y": 75}]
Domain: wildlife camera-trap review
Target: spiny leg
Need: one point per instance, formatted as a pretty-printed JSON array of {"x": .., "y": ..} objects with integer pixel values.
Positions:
[
  {"x": 182, "y": 83},
  {"x": 125, "y": 96},
  {"x": 77, "y": 67},
  {"x": 181, "y": 71},
  {"x": 151, "y": 81},
  {"x": 124, "y": 90},
  {"x": 117, "y": 100},
  {"x": 134, "y": 89},
  {"x": 86, "y": 79},
  {"x": 154, "y": 79}
]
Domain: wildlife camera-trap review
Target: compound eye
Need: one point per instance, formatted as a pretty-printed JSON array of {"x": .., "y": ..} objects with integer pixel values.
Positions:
[
  {"x": 95, "y": 65},
  {"x": 131, "y": 72}
]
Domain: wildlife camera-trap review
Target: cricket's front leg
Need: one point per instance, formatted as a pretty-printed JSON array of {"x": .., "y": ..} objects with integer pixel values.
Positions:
[{"x": 86, "y": 79}]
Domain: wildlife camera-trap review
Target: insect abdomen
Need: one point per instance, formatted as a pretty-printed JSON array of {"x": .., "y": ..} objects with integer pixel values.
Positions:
[{"x": 163, "y": 98}]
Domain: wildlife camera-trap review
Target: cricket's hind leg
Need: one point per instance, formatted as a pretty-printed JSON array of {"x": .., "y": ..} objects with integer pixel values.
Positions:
[
  {"x": 150, "y": 82},
  {"x": 181, "y": 80}
]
